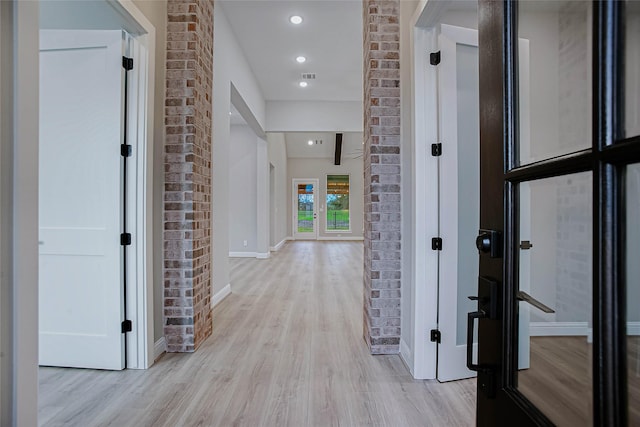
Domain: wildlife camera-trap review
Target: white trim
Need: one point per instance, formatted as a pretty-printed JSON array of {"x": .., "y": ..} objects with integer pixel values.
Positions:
[
  {"x": 553, "y": 329},
  {"x": 243, "y": 254},
  {"x": 348, "y": 238},
  {"x": 220, "y": 295},
  {"x": 279, "y": 246},
  {"x": 633, "y": 329},
  {"x": 263, "y": 255},
  {"x": 405, "y": 356},
  {"x": 159, "y": 348}
]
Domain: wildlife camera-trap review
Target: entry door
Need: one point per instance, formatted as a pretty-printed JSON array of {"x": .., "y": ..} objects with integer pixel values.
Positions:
[
  {"x": 305, "y": 209},
  {"x": 583, "y": 150},
  {"x": 80, "y": 265}
]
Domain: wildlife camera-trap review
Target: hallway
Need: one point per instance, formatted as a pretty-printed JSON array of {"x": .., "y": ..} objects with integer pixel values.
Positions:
[{"x": 286, "y": 350}]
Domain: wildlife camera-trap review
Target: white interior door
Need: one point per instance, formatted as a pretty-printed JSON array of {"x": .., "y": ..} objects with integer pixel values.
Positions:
[
  {"x": 459, "y": 196},
  {"x": 305, "y": 209},
  {"x": 80, "y": 272}
]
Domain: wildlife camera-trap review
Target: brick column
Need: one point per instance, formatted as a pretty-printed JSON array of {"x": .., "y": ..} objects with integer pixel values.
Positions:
[
  {"x": 382, "y": 204},
  {"x": 187, "y": 195}
]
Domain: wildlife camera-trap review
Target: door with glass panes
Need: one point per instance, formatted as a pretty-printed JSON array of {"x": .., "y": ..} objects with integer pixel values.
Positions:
[{"x": 568, "y": 206}]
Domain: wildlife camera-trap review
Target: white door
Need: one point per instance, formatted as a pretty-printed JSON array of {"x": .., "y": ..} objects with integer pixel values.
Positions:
[
  {"x": 458, "y": 97},
  {"x": 459, "y": 196},
  {"x": 305, "y": 209},
  {"x": 80, "y": 266}
]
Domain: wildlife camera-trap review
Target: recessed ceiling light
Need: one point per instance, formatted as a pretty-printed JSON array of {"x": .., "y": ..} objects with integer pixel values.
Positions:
[
  {"x": 303, "y": 84},
  {"x": 295, "y": 19},
  {"x": 310, "y": 142},
  {"x": 301, "y": 59}
]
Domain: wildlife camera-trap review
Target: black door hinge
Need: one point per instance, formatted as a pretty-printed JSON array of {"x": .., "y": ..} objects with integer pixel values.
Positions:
[
  {"x": 125, "y": 239},
  {"x": 127, "y": 326},
  {"x": 126, "y": 150},
  {"x": 434, "y": 58},
  {"x": 436, "y": 149},
  {"x": 435, "y": 336},
  {"x": 127, "y": 63},
  {"x": 436, "y": 244}
]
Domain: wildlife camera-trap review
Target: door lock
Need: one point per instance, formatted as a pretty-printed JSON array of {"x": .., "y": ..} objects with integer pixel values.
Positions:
[{"x": 489, "y": 242}]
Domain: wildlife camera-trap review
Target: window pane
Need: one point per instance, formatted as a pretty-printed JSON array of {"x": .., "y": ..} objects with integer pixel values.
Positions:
[
  {"x": 554, "y": 78},
  {"x": 555, "y": 349},
  {"x": 338, "y": 203},
  {"x": 633, "y": 292},
  {"x": 631, "y": 90}
]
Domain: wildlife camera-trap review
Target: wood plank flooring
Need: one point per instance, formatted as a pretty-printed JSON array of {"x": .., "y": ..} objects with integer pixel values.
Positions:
[{"x": 286, "y": 350}]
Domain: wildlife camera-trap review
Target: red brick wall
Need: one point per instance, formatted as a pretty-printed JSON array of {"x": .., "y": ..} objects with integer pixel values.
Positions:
[
  {"x": 382, "y": 185},
  {"x": 187, "y": 192}
]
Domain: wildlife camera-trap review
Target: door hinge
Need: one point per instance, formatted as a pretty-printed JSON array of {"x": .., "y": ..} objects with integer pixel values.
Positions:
[
  {"x": 126, "y": 150},
  {"x": 436, "y": 149},
  {"x": 127, "y": 326},
  {"x": 436, "y": 244},
  {"x": 436, "y": 336},
  {"x": 127, "y": 63},
  {"x": 125, "y": 239},
  {"x": 434, "y": 58}
]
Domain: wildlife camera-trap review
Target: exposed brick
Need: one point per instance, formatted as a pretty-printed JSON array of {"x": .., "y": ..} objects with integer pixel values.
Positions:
[
  {"x": 382, "y": 179},
  {"x": 187, "y": 165}
]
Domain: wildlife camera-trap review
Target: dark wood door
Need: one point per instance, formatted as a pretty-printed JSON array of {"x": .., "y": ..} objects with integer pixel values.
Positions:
[{"x": 555, "y": 154}]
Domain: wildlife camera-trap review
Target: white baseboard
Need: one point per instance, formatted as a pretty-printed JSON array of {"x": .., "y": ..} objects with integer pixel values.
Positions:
[
  {"x": 633, "y": 328},
  {"x": 406, "y": 357},
  {"x": 350, "y": 238},
  {"x": 243, "y": 254},
  {"x": 556, "y": 329},
  {"x": 279, "y": 246},
  {"x": 264, "y": 255},
  {"x": 220, "y": 295},
  {"x": 159, "y": 347}
]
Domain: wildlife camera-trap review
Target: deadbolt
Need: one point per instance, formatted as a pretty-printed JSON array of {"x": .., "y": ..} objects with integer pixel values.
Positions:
[{"x": 489, "y": 242}]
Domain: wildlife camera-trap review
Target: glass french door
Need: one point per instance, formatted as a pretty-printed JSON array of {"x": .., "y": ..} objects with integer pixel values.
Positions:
[
  {"x": 305, "y": 209},
  {"x": 559, "y": 209}
]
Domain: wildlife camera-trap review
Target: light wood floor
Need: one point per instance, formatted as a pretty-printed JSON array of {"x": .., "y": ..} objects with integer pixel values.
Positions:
[{"x": 287, "y": 350}]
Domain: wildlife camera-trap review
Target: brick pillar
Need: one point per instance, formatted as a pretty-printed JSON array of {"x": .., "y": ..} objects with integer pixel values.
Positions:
[
  {"x": 187, "y": 195},
  {"x": 382, "y": 204}
]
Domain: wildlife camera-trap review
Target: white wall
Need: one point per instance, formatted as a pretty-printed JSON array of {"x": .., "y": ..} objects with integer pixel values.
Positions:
[
  {"x": 242, "y": 189},
  {"x": 277, "y": 152},
  {"x": 229, "y": 67},
  {"x": 320, "y": 116},
  {"x": 319, "y": 168}
]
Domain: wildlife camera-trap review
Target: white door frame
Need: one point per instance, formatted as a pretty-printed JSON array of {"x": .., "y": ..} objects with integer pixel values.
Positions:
[
  {"x": 294, "y": 208},
  {"x": 19, "y": 178}
]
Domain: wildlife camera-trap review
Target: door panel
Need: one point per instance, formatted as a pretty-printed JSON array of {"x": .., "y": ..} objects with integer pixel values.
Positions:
[
  {"x": 80, "y": 276},
  {"x": 459, "y": 201},
  {"x": 579, "y": 155},
  {"x": 305, "y": 209}
]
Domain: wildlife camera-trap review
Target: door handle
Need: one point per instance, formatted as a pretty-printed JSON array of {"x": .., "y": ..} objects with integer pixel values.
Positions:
[
  {"x": 471, "y": 317},
  {"x": 523, "y": 296}
]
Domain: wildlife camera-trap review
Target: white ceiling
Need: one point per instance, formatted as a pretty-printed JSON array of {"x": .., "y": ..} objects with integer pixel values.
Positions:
[
  {"x": 298, "y": 145},
  {"x": 330, "y": 37}
]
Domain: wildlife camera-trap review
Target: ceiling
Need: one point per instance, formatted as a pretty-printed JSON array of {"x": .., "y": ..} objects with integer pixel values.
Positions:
[{"x": 330, "y": 37}]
